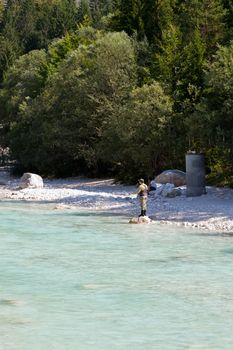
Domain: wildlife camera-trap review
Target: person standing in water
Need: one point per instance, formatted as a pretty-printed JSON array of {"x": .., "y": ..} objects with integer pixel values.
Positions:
[{"x": 142, "y": 195}]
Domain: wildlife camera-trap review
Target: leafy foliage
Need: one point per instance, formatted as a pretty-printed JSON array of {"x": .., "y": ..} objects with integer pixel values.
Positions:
[
  {"x": 22, "y": 82},
  {"x": 89, "y": 78},
  {"x": 115, "y": 86},
  {"x": 139, "y": 128}
]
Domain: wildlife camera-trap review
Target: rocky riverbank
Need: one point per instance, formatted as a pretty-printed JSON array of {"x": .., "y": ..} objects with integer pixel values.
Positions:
[{"x": 212, "y": 211}]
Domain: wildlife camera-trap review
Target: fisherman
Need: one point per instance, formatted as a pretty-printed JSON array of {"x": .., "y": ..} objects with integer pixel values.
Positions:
[{"x": 142, "y": 195}]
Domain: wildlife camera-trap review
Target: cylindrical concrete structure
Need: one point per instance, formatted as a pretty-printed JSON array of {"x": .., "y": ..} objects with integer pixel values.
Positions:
[{"x": 195, "y": 174}]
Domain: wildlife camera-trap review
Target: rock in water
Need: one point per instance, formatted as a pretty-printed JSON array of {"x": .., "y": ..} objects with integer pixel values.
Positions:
[
  {"x": 29, "y": 180},
  {"x": 140, "y": 220}
]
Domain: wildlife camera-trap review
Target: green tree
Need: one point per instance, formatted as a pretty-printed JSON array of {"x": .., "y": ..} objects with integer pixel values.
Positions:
[
  {"x": 139, "y": 128},
  {"x": 218, "y": 99},
  {"x": 10, "y": 45},
  {"x": 1, "y": 10},
  {"x": 84, "y": 11},
  {"x": 23, "y": 81},
  {"x": 9, "y": 51},
  {"x": 189, "y": 72},
  {"x": 129, "y": 17},
  {"x": 228, "y": 6},
  {"x": 66, "y": 119},
  {"x": 27, "y": 25},
  {"x": 208, "y": 17},
  {"x": 37, "y": 22},
  {"x": 211, "y": 124},
  {"x": 157, "y": 16},
  {"x": 100, "y": 8},
  {"x": 168, "y": 58}
]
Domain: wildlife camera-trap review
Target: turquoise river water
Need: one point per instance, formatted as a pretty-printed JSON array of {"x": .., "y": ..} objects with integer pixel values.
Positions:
[{"x": 90, "y": 281}]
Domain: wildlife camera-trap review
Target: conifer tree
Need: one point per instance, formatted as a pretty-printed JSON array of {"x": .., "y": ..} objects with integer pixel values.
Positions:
[
  {"x": 168, "y": 57},
  {"x": 212, "y": 23},
  {"x": 228, "y": 6},
  {"x": 110, "y": 6},
  {"x": 189, "y": 74},
  {"x": 84, "y": 10},
  {"x": 101, "y": 8},
  {"x": 1, "y": 10},
  {"x": 208, "y": 17},
  {"x": 157, "y": 15},
  {"x": 129, "y": 17},
  {"x": 10, "y": 43}
]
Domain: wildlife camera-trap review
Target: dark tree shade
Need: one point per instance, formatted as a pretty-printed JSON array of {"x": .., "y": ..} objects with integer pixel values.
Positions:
[{"x": 129, "y": 17}]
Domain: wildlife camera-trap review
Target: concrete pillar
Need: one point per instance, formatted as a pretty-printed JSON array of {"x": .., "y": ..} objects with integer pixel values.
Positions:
[{"x": 195, "y": 174}]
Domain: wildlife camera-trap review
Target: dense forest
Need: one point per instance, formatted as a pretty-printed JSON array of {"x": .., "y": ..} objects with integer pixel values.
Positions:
[{"x": 122, "y": 88}]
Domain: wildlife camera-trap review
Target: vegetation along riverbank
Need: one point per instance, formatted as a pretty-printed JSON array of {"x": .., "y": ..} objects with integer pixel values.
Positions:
[{"x": 116, "y": 88}]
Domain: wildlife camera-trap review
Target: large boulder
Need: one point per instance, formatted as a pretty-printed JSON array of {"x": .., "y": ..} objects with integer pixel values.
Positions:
[
  {"x": 174, "y": 193},
  {"x": 29, "y": 180},
  {"x": 168, "y": 190},
  {"x": 175, "y": 177}
]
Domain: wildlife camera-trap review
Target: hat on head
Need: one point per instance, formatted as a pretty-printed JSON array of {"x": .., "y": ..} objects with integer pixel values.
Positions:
[{"x": 141, "y": 180}]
